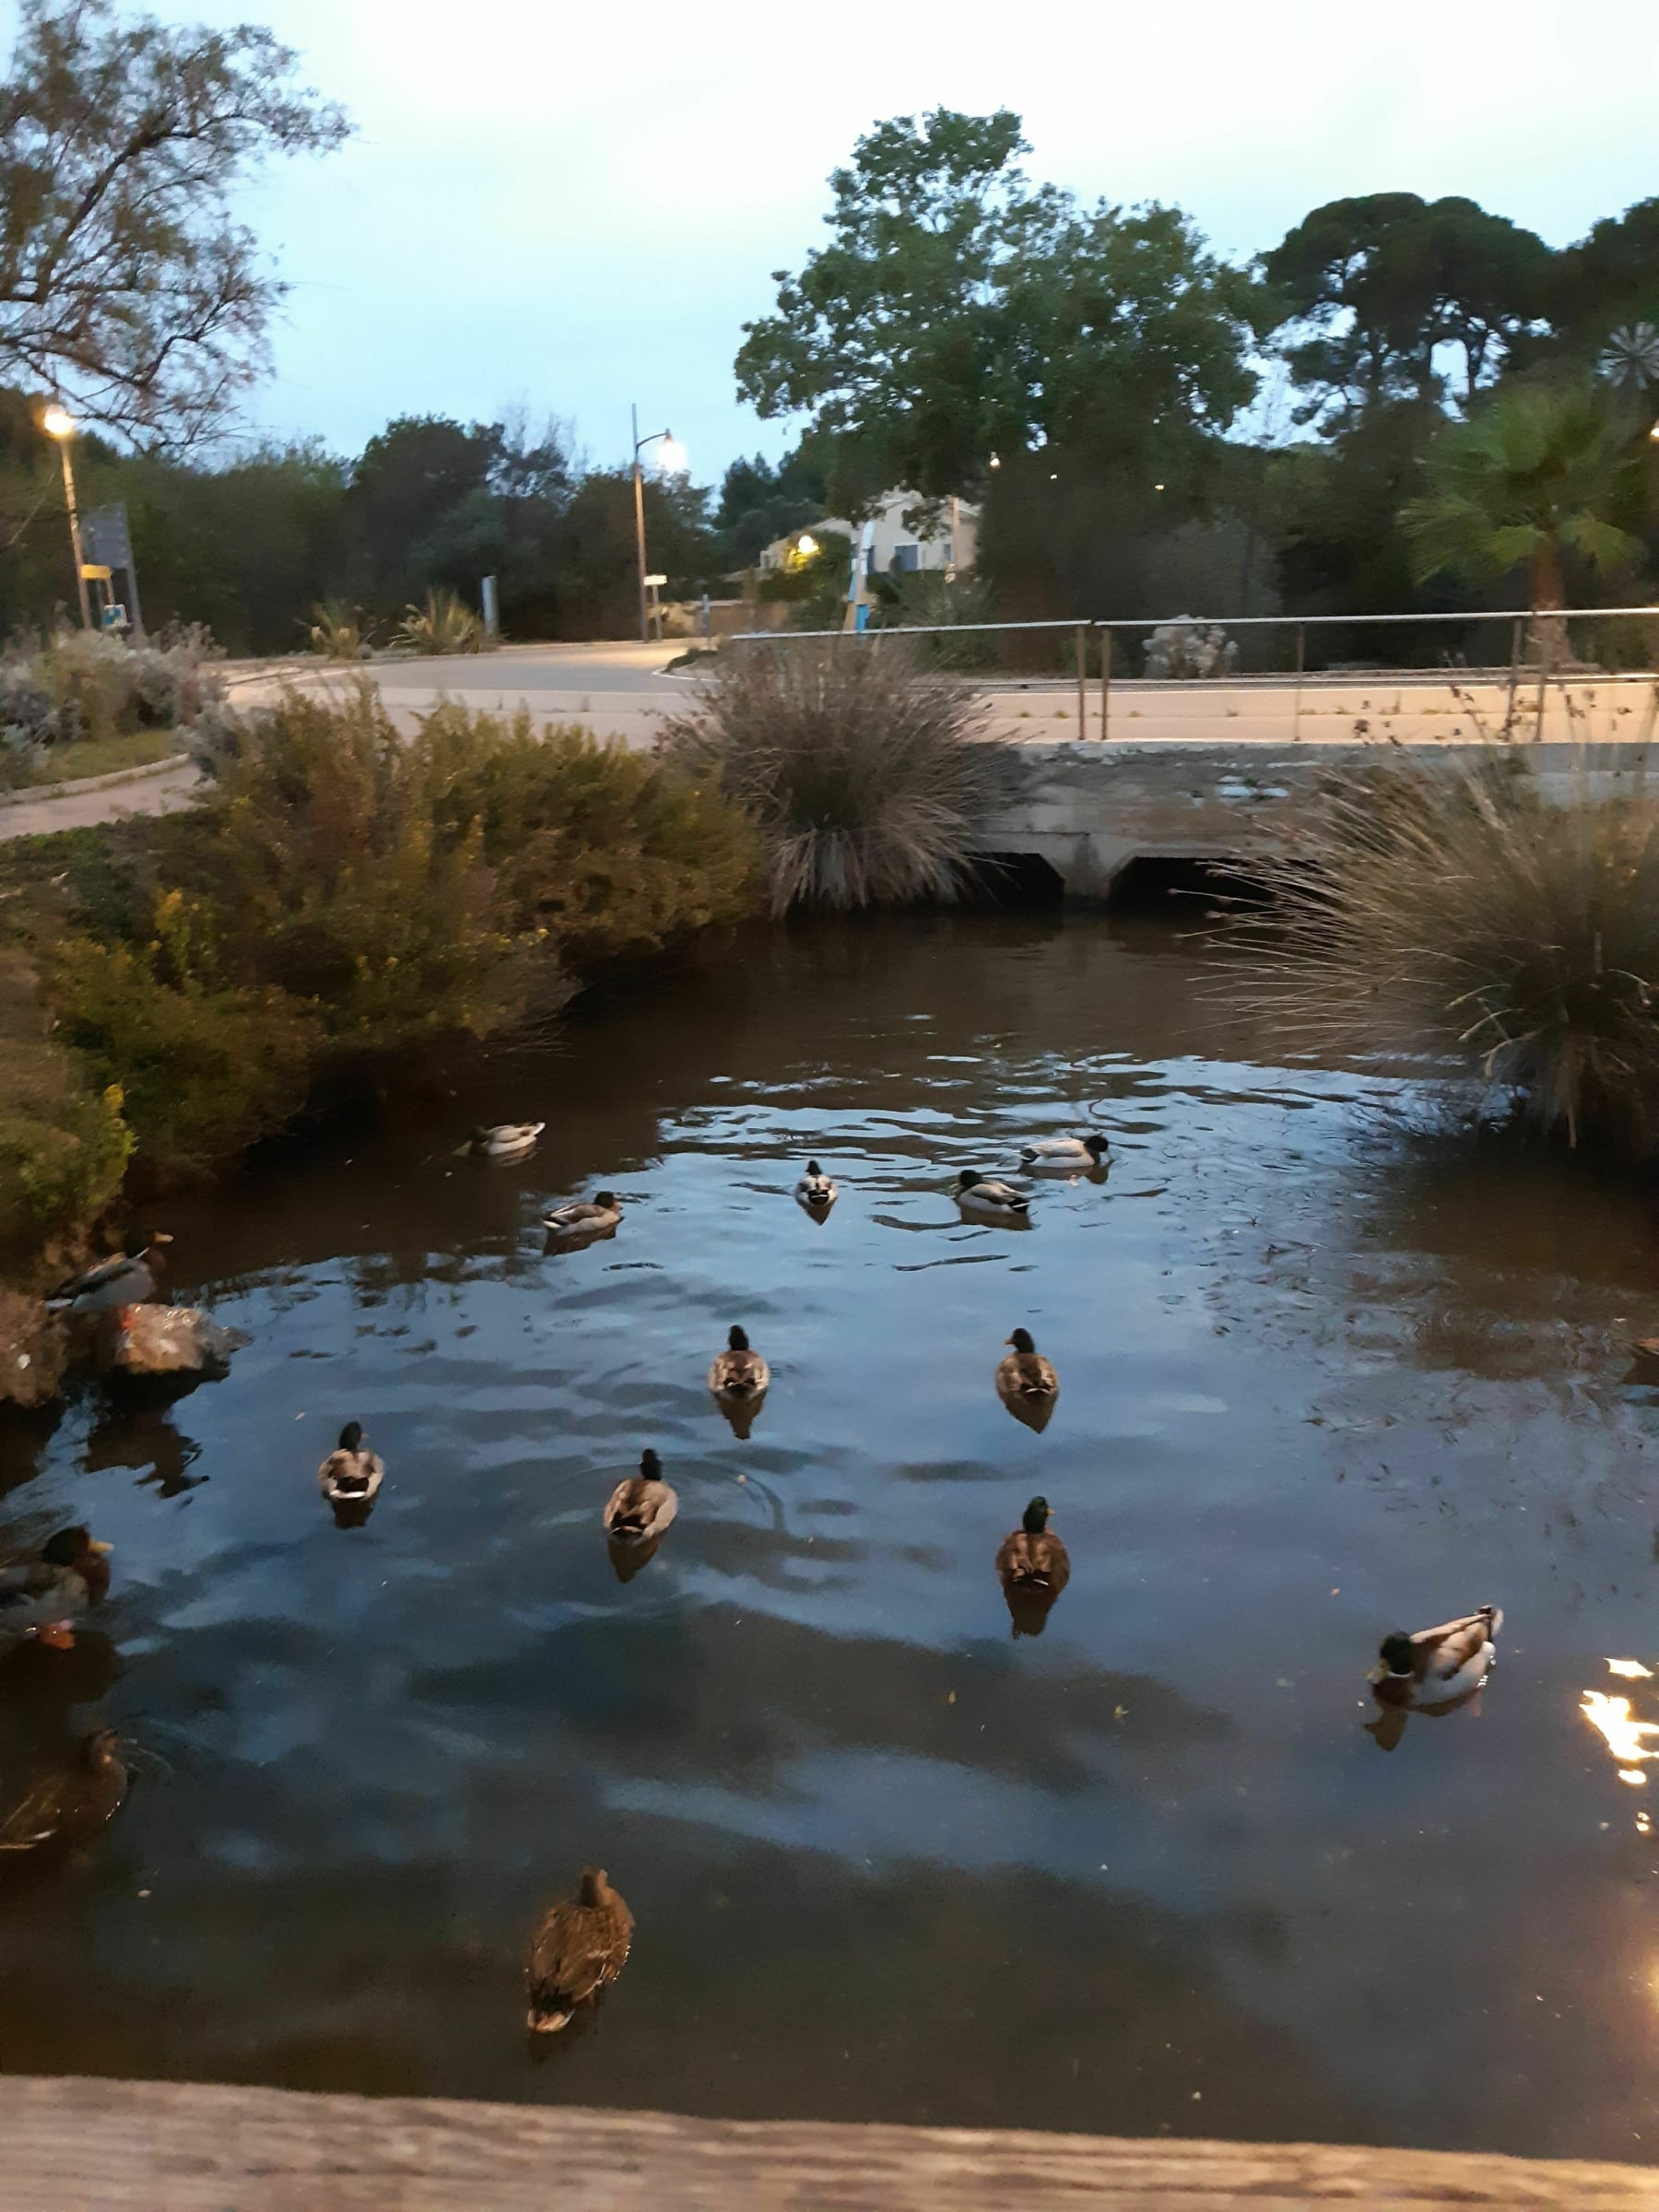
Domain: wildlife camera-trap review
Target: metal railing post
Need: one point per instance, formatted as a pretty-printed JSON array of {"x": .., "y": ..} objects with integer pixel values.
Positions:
[
  {"x": 1105, "y": 678},
  {"x": 1301, "y": 657},
  {"x": 1082, "y": 681},
  {"x": 1515, "y": 639}
]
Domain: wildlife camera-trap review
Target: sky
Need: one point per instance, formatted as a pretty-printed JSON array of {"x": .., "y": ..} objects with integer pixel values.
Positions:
[{"x": 567, "y": 209}]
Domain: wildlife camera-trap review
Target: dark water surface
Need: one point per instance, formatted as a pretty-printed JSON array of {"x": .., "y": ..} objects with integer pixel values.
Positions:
[{"x": 1147, "y": 1873}]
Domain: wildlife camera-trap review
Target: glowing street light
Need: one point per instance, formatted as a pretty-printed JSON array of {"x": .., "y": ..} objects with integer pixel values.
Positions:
[
  {"x": 673, "y": 459},
  {"x": 57, "y": 423},
  {"x": 807, "y": 544}
]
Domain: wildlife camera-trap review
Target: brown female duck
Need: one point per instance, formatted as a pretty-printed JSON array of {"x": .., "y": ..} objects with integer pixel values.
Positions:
[{"x": 579, "y": 1948}]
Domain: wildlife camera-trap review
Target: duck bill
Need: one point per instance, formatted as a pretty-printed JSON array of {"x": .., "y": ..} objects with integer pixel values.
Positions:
[
  {"x": 103, "y": 1551},
  {"x": 1377, "y": 1674}
]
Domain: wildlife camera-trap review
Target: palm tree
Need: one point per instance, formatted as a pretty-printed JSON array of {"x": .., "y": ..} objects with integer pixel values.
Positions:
[
  {"x": 1631, "y": 357},
  {"x": 1530, "y": 480}
]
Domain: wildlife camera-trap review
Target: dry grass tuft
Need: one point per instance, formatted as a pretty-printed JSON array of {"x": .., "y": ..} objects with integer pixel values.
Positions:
[
  {"x": 1446, "y": 906},
  {"x": 864, "y": 776}
]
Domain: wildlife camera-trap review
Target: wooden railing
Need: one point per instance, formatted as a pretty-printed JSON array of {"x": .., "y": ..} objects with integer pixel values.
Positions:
[{"x": 77, "y": 2145}]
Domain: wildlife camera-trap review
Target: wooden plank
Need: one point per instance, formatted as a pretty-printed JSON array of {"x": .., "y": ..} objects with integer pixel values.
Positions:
[{"x": 79, "y": 2145}]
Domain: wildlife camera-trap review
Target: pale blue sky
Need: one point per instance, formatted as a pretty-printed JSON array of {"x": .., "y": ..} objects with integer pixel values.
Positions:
[{"x": 571, "y": 208}]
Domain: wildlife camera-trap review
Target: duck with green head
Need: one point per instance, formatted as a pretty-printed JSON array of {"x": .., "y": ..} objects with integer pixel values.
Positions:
[{"x": 43, "y": 1594}]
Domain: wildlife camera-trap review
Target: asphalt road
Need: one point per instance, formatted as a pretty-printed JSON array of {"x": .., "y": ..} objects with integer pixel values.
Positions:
[{"x": 525, "y": 669}]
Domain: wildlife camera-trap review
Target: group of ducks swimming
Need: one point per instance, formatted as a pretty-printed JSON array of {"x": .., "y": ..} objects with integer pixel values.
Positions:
[{"x": 582, "y": 1943}]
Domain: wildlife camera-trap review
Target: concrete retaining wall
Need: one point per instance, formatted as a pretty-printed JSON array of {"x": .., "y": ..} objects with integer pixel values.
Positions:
[{"x": 1090, "y": 809}]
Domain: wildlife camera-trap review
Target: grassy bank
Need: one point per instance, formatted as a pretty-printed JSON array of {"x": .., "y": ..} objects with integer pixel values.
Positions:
[
  {"x": 338, "y": 899},
  {"x": 106, "y": 756}
]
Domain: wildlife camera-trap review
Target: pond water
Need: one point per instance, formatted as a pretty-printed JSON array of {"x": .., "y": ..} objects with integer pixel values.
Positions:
[{"x": 1321, "y": 1375}]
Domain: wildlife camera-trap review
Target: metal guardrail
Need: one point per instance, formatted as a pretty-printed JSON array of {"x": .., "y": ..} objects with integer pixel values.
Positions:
[{"x": 1106, "y": 626}]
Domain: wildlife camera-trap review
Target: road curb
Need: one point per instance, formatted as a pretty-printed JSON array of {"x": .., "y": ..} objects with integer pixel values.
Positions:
[{"x": 34, "y": 794}]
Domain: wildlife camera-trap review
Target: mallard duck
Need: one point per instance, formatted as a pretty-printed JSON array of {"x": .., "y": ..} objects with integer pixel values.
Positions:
[
  {"x": 68, "y": 1809},
  {"x": 1029, "y": 1561},
  {"x": 594, "y": 1217},
  {"x": 641, "y": 1506},
  {"x": 1025, "y": 1373},
  {"x": 988, "y": 1200},
  {"x": 507, "y": 1141},
  {"x": 41, "y": 1595},
  {"x": 739, "y": 1373},
  {"x": 126, "y": 1280},
  {"x": 1437, "y": 1666},
  {"x": 578, "y": 1950},
  {"x": 1064, "y": 1155},
  {"x": 816, "y": 1191},
  {"x": 351, "y": 1474}
]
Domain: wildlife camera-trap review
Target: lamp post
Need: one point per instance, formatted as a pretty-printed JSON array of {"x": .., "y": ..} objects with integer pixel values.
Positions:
[
  {"x": 674, "y": 460},
  {"x": 57, "y": 423}
]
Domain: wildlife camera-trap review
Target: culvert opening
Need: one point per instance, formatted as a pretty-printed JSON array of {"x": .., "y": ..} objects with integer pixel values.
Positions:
[
  {"x": 1183, "y": 887},
  {"x": 1011, "y": 879}
]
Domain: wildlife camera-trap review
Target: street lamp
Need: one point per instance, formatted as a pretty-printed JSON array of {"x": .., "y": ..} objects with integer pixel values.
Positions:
[
  {"x": 673, "y": 462},
  {"x": 57, "y": 423}
]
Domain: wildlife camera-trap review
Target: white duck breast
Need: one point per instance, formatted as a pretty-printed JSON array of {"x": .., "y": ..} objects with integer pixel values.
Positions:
[{"x": 816, "y": 1191}]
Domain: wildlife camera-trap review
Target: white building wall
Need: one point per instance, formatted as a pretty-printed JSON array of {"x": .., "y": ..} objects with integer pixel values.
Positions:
[{"x": 952, "y": 544}]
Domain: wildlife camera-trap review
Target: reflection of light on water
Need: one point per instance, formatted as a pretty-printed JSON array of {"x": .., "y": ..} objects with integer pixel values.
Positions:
[
  {"x": 1643, "y": 1825},
  {"x": 1633, "y": 1669},
  {"x": 1627, "y": 1738},
  {"x": 1634, "y": 1776}
]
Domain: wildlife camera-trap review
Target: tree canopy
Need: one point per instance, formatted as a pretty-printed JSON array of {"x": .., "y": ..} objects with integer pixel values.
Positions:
[
  {"x": 1381, "y": 287},
  {"x": 959, "y": 311},
  {"x": 125, "y": 283}
]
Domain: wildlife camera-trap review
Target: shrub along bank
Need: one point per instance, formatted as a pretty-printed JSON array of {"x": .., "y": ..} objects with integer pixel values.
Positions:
[{"x": 171, "y": 991}]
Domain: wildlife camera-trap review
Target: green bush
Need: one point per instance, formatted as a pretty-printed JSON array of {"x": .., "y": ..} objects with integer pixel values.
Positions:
[
  {"x": 202, "y": 1067},
  {"x": 324, "y": 871},
  {"x": 57, "y": 1173},
  {"x": 340, "y": 891},
  {"x": 1440, "y": 907},
  {"x": 77, "y": 686},
  {"x": 607, "y": 850},
  {"x": 928, "y": 599},
  {"x": 864, "y": 776}
]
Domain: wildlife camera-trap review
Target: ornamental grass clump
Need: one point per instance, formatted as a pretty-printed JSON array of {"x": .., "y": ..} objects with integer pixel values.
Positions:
[
  {"x": 1450, "y": 908},
  {"x": 444, "y": 624},
  {"x": 865, "y": 777}
]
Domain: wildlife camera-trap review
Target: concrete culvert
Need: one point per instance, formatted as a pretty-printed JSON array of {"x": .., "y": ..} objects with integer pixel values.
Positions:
[{"x": 1182, "y": 885}]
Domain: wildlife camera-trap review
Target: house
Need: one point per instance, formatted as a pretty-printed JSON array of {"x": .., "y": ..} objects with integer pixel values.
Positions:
[{"x": 893, "y": 548}]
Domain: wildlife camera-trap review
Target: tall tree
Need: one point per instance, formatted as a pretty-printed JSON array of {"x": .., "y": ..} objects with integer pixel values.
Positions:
[
  {"x": 125, "y": 285},
  {"x": 1536, "y": 479},
  {"x": 761, "y": 500},
  {"x": 959, "y": 311},
  {"x": 1377, "y": 286},
  {"x": 1609, "y": 281}
]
